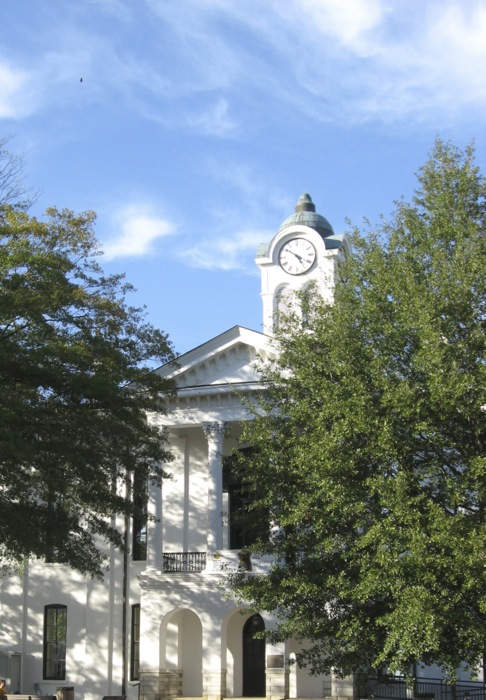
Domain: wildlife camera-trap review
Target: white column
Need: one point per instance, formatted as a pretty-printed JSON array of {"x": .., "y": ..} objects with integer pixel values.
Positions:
[
  {"x": 276, "y": 668},
  {"x": 154, "y": 527},
  {"x": 213, "y": 674},
  {"x": 214, "y": 433}
]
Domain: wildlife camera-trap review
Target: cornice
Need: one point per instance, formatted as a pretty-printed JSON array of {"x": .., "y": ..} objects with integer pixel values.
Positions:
[
  {"x": 156, "y": 580},
  {"x": 197, "y": 405}
]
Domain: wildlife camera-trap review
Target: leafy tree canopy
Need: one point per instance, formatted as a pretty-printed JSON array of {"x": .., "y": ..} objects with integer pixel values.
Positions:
[
  {"x": 369, "y": 443},
  {"x": 75, "y": 388}
]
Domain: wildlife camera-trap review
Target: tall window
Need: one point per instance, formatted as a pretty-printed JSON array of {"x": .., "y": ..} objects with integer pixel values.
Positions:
[
  {"x": 139, "y": 535},
  {"x": 55, "y": 634},
  {"x": 246, "y": 525},
  {"x": 57, "y": 524},
  {"x": 135, "y": 644}
]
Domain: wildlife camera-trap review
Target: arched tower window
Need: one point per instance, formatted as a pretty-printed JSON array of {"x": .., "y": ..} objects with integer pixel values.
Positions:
[{"x": 284, "y": 303}]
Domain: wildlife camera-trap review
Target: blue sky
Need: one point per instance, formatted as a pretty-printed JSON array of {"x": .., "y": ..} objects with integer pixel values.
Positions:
[{"x": 198, "y": 123}]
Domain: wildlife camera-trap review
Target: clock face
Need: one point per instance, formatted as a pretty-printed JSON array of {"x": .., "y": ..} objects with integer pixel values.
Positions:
[{"x": 297, "y": 256}]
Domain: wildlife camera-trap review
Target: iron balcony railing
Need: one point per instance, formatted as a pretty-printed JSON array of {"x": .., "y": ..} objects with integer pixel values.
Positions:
[{"x": 182, "y": 562}]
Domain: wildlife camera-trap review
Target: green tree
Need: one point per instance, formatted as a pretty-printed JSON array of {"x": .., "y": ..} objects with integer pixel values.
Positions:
[
  {"x": 76, "y": 384},
  {"x": 369, "y": 443}
]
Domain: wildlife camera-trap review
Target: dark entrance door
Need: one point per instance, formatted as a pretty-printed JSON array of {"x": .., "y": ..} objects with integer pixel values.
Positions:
[{"x": 253, "y": 658}]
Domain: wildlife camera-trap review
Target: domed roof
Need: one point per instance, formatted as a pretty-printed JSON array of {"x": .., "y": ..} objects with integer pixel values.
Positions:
[{"x": 305, "y": 214}]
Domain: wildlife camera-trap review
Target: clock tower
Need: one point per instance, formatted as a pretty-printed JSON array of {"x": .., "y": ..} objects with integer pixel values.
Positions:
[{"x": 304, "y": 250}]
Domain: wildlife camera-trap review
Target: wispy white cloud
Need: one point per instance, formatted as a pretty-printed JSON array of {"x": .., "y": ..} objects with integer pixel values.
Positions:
[
  {"x": 227, "y": 252},
  {"x": 207, "y": 66},
  {"x": 138, "y": 228},
  {"x": 401, "y": 61},
  {"x": 16, "y": 94},
  {"x": 350, "y": 22},
  {"x": 116, "y": 8},
  {"x": 457, "y": 40},
  {"x": 246, "y": 185},
  {"x": 36, "y": 83},
  {"x": 215, "y": 121},
  {"x": 339, "y": 59},
  {"x": 235, "y": 219}
]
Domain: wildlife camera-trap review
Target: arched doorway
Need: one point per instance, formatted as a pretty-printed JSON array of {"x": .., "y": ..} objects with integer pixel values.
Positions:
[
  {"x": 253, "y": 658},
  {"x": 181, "y": 652}
]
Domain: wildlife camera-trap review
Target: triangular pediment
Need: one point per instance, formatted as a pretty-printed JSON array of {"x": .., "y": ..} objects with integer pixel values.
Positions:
[{"x": 228, "y": 359}]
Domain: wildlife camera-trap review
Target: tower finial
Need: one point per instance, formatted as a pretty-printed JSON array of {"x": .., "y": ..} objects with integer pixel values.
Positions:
[{"x": 305, "y": 203}]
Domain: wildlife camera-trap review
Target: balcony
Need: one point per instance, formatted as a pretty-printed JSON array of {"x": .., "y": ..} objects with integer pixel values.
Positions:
[
  {"x": 184, "y": 562},
  {"x": 222, "y": 562}
]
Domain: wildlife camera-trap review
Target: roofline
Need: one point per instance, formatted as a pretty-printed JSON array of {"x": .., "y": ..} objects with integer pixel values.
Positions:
[
  {"x": 225, "y": 388},
  {"x": 212, "y": 345}
]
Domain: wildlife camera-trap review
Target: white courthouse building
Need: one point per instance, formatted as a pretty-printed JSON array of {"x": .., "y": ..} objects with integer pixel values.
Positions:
[{"x": 161, "y": 624}]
